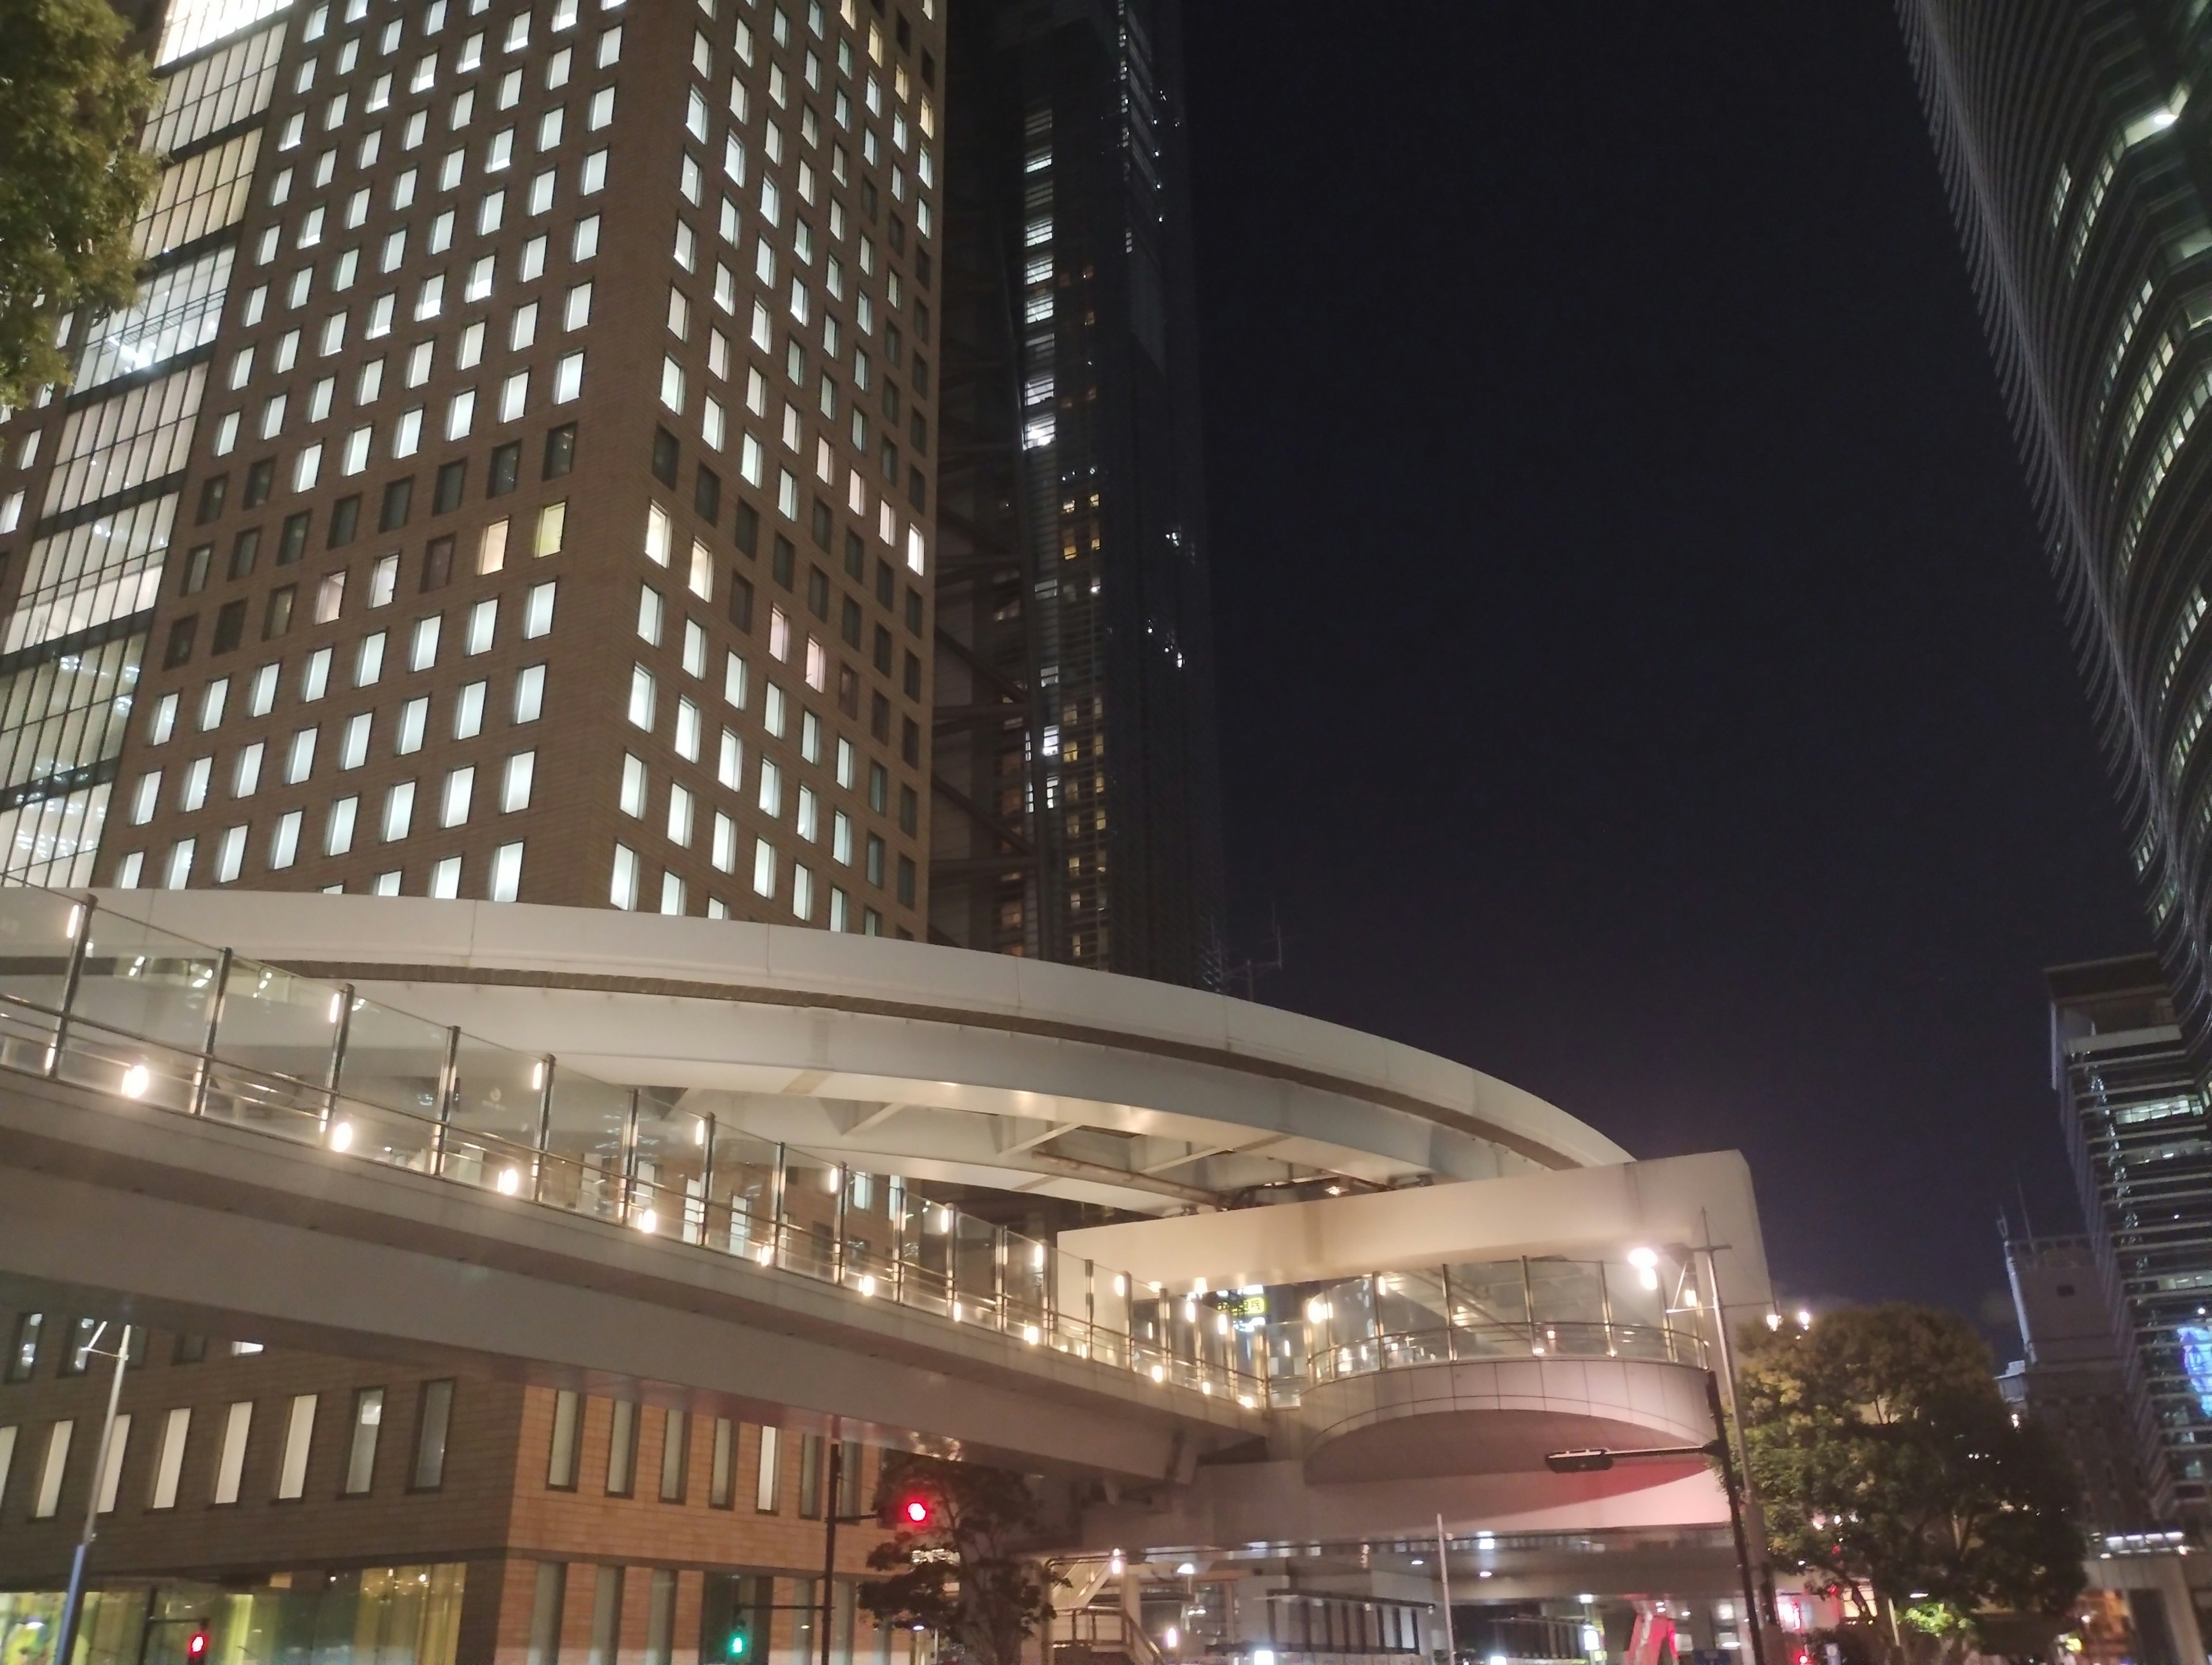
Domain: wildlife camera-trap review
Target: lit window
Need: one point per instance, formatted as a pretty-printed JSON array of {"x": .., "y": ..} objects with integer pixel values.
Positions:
[
  {"x": 399, "y": 812},
  {"x": 505, "y": 873},
  {"x": 453, "y": 806}
]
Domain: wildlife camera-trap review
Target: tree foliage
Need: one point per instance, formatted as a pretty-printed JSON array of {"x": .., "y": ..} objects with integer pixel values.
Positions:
[
  {"x": 1885, "y": 1456},
  {"x": 72, "y": 178},
  {"x": 963, "y": 1575}
]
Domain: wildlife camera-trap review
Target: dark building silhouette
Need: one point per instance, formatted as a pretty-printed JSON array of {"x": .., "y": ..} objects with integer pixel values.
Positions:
[
  {"x": 1075, "y": 813},
  {"x": 2073, "y": 1379},
  {"x": 2078, "y": 166}
]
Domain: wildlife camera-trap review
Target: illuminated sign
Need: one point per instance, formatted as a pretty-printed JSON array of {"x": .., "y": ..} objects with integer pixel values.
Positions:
[{"x": 2196, "y": 1362}]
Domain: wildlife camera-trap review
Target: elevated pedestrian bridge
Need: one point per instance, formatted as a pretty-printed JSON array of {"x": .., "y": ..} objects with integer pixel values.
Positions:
[{"x": 740, "y": 1174}]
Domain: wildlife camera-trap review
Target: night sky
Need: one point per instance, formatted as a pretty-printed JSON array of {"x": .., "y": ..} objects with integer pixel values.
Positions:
[{"x": 1640, "y": 676}]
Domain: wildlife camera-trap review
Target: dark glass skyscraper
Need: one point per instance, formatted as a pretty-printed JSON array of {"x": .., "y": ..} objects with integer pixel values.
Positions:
[
  {"x": 1076, "y": 799},
  {"x": 2079, "y": 167}
]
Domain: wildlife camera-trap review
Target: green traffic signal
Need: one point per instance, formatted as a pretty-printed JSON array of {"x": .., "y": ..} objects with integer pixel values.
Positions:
[{"x": 740, "y": 1645}]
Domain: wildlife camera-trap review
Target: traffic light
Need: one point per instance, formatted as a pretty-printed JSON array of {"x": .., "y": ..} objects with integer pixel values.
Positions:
[
  {"x": 196, "y": 1648},
  {"x": 914, "y": 1512},
  {"x": 737, "y": 1649},
  {"x": 1587, "y": 1461}
]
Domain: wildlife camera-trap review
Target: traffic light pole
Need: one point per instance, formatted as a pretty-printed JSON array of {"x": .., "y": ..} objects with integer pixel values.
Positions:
[
  {"x": 1596, "y": 1460},
  {"x": 833, "y": 1520},
  {"x": 65, "y": 1640}
]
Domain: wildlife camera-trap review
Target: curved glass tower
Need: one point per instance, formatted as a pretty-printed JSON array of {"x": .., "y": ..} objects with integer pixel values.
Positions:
[{"x": 2079, "y": 167}]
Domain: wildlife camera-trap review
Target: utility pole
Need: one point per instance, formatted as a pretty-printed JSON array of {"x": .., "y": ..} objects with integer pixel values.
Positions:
[{"x": 65, "y": 1642}]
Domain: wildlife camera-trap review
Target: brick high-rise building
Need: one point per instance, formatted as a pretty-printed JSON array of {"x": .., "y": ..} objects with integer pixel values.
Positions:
[
  {"x": 291, "y": 1506},
  {"x": 513, "y": 478}
]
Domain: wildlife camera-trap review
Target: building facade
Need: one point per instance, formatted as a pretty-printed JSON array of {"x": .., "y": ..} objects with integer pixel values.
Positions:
[
  {"x": 2073, "y": 1380},
  {"x": 2137, "y": 1139},
  {"x": 2078, "y": 166},
  {"x": 513, "y": 479},
  {"x": 295, "y": 1506},
  {"x": 1077, "y": 815}
]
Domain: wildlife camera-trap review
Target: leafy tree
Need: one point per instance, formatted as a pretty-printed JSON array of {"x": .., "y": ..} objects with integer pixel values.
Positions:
[
  {"x": 72, "y": 178},
  {"x": 961, "y": 1574},
  {"x": 1885, "y": 1456}
]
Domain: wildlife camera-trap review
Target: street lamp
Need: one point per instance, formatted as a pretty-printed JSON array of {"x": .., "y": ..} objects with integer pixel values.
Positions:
[
  {"x": 1593, "y": 1460},
  {"x": 66, "y": 1640}
]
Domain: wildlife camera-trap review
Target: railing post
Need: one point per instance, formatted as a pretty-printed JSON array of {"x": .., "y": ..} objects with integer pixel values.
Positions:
[
  {"x": 448, "y": 1083},
  {"x": 775, "y": 1207},
  {"x": 898, "y": 1240},
  {"x": 545, "y": 1130},
  {"x": 1090, "y": 1309},
  {"x": 1529, "y": 1302},
  {"x": 627, "y": 1182},
  {"x": 71, "y": 976},
  {"x": 1451, "y": 1340},
  {"x": 999, "y": 1272},
  {"x": 837, "y": 1244},
  {"x": 339, "y": 1051},
  {"x": 215, "y": 1018},
  {"x": 705, "y": 1184},
  {"x": 1605, "y": 1311}
]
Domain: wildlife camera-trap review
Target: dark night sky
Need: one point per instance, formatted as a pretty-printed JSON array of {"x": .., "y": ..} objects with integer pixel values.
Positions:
[{"x": 1641, "y": 678}]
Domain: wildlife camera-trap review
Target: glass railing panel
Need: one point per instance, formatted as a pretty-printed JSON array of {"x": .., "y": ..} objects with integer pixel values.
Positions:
[
  {"x": 1344, "y": 1314},
  {"x": 139, "y": 981},
  {"x": 1638, "y": 1293},
  {"x": 36, "y": 931},
  {"x": 376, "y": 1132},
  {"x": 670, "y": 1155},
  {"x": 1485, "y": 1341},
  {"x": 491, "y": 1133},
  {"x": 1411, "y": 1301},
  {"x": 275, "y": 1043},
  {"x": 1028, "y": 1283},
  {"x": 392, "y": 1059},
  {"x": 871, "y": 1227},
  {"x": 588, "y": 1134},
  {"x": 812, "y": 1185},
  {"x": 1562, "y": 1292},
  {"x": 1109, "y": 1305},
  {"x": 1488, "y": 1292},
  {"x": 741, "y": 1202},
  {"x": 974, "y": 1270},
  {"x": 927, "y": 1238},
  {"x": 147, "y": 1072}
]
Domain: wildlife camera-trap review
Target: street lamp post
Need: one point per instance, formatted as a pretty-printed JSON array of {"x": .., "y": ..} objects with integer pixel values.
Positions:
[
  {"x": 1596, "y": 1459},
  {"x": 65, "y": 1640}
]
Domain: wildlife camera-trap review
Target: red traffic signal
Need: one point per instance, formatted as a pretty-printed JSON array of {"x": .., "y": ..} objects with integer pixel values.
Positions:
[
  {"x": 195, "y": 1649},
  {"x": 916, "y": 1510}
]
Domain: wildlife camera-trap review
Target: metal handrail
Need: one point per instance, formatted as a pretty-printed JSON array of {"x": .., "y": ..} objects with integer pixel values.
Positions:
[
  {"x": 205, "y": 1080},
  {"x": 1456, "y": 1343}
]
